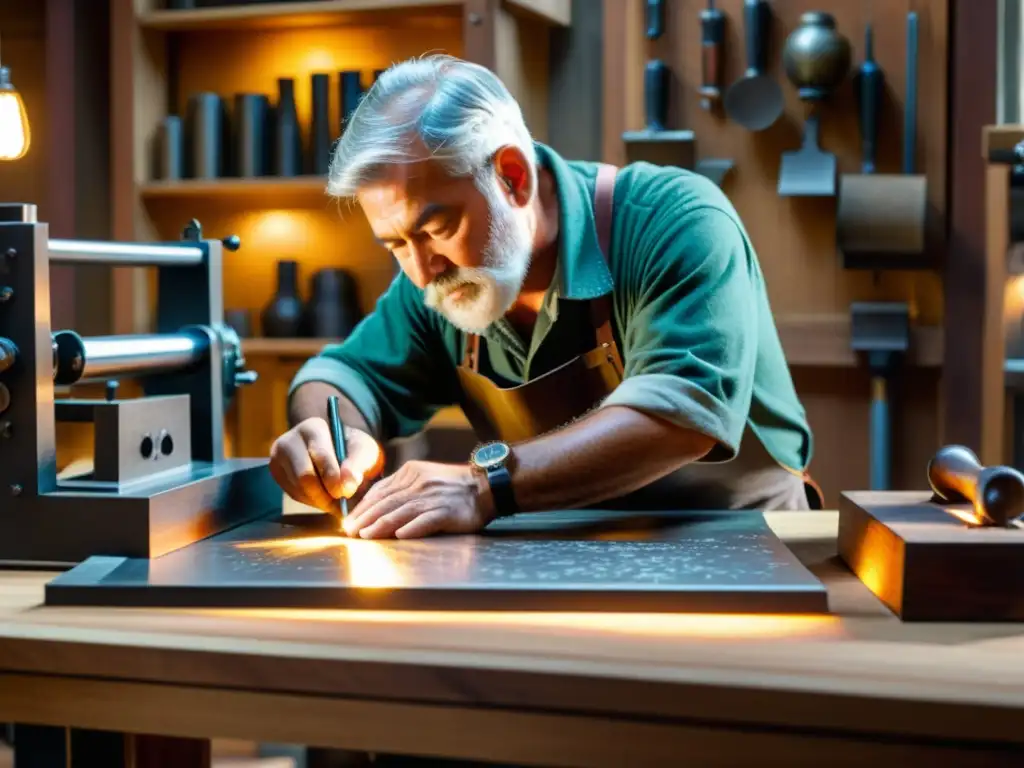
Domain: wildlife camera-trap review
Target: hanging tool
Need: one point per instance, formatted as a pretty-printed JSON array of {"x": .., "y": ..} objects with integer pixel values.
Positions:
[
  {"x": 869, "y": 84},
  {"x": 655, "y": 18},
  {"x": 881, "y": 332},
  {"x": 881, "y": 218},
  {"x": 712, "y": 24},
  {"x": 655, "y": 144},
  {"x": 755, "y": 101},
  {"x": 817, "y": 59}
]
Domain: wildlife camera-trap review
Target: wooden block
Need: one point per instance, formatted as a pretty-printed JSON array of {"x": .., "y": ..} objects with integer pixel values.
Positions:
[{"x": 928, "y": 561}]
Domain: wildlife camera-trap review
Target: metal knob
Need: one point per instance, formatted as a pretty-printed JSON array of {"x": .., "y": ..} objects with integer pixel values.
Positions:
[
  {"x": 245, "y": 378},
  {"x": 110, "y": 391},
  {"x": 8, "y": 354},
  {"x": 232, "y": 242}
]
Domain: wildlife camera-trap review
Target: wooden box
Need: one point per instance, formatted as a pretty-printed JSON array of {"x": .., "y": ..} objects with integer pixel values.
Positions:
[{"x": 930, "y": 562}]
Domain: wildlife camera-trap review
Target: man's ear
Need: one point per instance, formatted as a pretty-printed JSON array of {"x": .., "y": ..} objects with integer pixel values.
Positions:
[{"x": 513, "y": 170}]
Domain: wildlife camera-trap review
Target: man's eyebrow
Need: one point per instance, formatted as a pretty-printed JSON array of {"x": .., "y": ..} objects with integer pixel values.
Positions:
[
  {"x": 432, "y": 210},
  {"x": 428, "y": 213}
]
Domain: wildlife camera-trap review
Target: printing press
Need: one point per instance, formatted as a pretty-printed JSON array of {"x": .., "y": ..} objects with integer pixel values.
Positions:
[{"x": 160, "y": 479}]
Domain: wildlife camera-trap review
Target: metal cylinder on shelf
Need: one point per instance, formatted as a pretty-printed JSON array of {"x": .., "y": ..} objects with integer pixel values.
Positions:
[
  {"x": 99, "y": 358},
  {"x": 123, "y": 254}
]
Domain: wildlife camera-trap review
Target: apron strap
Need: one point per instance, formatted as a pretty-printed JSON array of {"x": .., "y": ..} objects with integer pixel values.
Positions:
[
  {"x": 601, "y": 308},
  {"x": 604, "y": 205}
]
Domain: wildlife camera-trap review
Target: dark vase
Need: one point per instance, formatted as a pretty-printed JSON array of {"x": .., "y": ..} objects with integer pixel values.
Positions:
[
  {"x": 250, "y": 143},
  {"x": 320, "y": 128},
  {"x": 205, "y": 136},
  {"x": 333, "y": 308},
  {"x": 350, "y": 91},
  {"x": 282, "y": 317},
  {"x": 171, "y": 165},
  {"x": 287, "y": 139}
]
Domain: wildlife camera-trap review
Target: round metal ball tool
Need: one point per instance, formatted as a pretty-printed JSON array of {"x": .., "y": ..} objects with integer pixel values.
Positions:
[
  {"x": 755, "y": 101},
  {"x": 816, "y": 58},
  {"x": 996, "y": 493}
]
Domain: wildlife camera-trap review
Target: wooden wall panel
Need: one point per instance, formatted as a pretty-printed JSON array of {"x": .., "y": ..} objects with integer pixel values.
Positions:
[{"x": 794, "y": 237}]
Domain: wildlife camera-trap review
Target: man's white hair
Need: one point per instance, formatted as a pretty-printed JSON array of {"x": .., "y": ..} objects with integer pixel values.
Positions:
[{"x": 460, "y": 113}]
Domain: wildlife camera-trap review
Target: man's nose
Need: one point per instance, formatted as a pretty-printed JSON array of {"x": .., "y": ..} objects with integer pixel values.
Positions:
[{"x": 429, "y": 264}]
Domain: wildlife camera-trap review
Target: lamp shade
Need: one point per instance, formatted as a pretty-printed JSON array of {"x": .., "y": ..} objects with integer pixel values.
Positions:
[{"x": 15, "y": 136}]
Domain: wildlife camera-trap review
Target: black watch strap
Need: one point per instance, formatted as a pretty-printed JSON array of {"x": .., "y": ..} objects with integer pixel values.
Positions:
[{"x": 500, "y": 481}]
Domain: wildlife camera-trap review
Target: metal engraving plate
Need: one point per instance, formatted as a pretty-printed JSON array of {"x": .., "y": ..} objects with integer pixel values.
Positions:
[{"x": 585, "y": 560}]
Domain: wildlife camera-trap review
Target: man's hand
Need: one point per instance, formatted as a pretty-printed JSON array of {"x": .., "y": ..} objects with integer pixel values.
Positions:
[
  {"x": 303, "y": 463},
  {"x": 422, "y": 499}
]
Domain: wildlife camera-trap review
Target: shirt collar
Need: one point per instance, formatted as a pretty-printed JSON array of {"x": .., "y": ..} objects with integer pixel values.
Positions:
[{"x": 582, "y": 271}]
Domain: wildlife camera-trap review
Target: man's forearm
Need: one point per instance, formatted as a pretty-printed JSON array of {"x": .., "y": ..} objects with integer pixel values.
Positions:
[
  {"x": 310, "y": 400},
  {"x": 612, "y": 452}
]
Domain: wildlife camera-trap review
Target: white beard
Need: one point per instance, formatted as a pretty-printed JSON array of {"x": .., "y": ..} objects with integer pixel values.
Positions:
[{"x": 491, "y": 289}]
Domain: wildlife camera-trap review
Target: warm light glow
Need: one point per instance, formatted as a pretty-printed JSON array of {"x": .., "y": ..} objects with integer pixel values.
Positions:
[
  {"x": 15, "y": 136},
  {"x": 965, "y": 515},
  {"x": 277, "y": 228},
  {"x": 369, "y": 565},
  {"x": 680, "y": 625}
]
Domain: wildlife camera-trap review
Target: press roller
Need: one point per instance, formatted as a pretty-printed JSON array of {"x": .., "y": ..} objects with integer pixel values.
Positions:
[{"x": 160, "y": 479}]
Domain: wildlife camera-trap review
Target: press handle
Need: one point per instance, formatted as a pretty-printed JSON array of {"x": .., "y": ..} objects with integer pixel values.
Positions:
[
  {"x": 996, "y": 493},
  {"x": 655, "y": 19},
  {"x": 870, "y": 85},
  {"x": 756, "y": 20},
  {"x": 656, "y": 95},
  {"x": 712, "y": 23}
]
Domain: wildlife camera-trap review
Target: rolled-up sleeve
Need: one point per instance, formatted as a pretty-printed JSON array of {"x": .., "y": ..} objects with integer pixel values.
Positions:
[
  {"x": 394, "y": 367},
  {"x": 689, "y": 325}
]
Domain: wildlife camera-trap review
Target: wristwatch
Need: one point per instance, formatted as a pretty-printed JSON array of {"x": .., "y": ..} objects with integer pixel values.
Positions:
[{"x": 495, "y": 459}]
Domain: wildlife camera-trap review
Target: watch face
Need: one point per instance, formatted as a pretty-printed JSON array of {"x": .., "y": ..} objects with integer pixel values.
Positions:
[{"x": 491, "y": 455}]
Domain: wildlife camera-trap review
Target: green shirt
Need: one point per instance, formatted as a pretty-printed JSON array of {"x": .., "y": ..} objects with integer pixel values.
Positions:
[{"x": 691, "y": 316}]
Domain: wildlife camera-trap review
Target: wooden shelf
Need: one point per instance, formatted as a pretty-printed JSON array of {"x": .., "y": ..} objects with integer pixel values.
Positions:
[
  {"x": 280, "y": 15},
  {"x": 281, "y": 192},
  {"x": 337, "y": 12}
]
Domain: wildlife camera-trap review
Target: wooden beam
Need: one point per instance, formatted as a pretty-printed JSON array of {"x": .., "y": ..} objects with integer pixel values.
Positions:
[
  {"x": 973, "y": 78},
  {"x": 60, "y": 205}
]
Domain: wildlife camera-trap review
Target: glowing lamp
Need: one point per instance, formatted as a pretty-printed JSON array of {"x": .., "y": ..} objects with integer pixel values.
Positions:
[{"x": 15, "y": 136}]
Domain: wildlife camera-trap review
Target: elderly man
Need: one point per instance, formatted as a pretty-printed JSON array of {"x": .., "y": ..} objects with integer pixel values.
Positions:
[{"x": 606, "y": 331}]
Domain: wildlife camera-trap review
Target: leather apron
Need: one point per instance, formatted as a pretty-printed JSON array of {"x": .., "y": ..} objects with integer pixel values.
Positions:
[{"x": 752, "y": 480}]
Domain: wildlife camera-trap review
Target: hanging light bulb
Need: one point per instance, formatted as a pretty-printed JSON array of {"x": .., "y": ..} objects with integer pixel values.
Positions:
[{"x": 15, "y": 136}]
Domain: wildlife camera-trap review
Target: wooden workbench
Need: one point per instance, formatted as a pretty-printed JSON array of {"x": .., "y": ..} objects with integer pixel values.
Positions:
[{"x": 566, "y": 690}]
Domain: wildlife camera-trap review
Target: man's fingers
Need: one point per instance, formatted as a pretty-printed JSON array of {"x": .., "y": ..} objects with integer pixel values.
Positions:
[
  {"x": 428, "y": 524},
  {"x": 299, "y": 464},
  {"x": 370, "y": 510},
  {"x": 365, "y": 460},
  {"x": 386, "y": 525},
  {"x": 326, "y": 464}
]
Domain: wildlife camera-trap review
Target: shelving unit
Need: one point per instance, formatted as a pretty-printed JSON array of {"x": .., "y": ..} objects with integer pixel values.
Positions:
[{"x": 160, "y": 56}]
